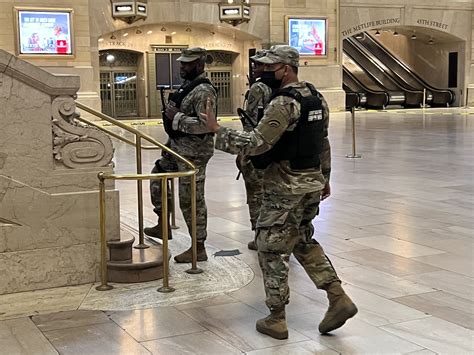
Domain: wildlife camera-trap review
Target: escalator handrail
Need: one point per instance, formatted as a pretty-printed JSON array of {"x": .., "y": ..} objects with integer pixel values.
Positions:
[
  {"x": 367, "y": 72},
  {"x": 409, "y": 70},
  {"x": 385, "y": 93},
  {"x": 386, "y": 71}
]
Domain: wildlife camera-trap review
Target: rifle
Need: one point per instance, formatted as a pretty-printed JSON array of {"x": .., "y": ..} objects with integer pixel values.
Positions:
[{"x": 167, "y": 124}]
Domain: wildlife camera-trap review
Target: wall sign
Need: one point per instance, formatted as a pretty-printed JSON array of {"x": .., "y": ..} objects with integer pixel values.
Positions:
[
  {"x": 308, "y": 35},
  {"x": 44, "y": 32}
]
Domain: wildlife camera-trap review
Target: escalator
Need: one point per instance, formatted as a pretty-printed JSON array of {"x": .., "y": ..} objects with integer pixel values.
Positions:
[
  {"x": 399, "y": 92},
  {"x": 403, "y": 74},
  {"x": 356, "y": 82}
]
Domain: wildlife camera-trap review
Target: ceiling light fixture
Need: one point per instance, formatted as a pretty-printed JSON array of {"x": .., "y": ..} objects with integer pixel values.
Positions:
[
  {"x": 395, "y": 33},
  {"x": 163, "y": 29},
  {"x": 413, "y": 36},
  {"x": 359, "y": 35},
  {"x": 188, "y": 29},
  {"x": 234, "y": 12},
  {"x": 125, "y": 34},
  {"x": 377, "y": 33},
  {"x": 149, "y": 32},
  {"x": 431, "y": 41},
  {"x": 113, "y": 36},
  {"x": 138, "y": 31}
]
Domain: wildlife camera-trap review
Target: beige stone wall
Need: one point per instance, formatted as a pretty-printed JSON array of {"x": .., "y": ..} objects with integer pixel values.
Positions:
[
  {"x": 325, "y": 73},
  {"x": 49, "y": 225},
  {"x": 470, "y": 98},
  {"x": 80, "y": 64}
]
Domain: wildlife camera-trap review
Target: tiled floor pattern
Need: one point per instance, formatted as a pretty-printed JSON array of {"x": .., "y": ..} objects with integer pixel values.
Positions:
[{"x": 398, "y": 228}]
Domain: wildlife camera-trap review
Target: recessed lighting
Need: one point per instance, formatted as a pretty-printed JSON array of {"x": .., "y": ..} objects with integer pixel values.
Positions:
[
  {"x": 149, "y": 32},
  {"x": 101, "y": 39},
  {"x": 125, "y": 34},
  {"x": 173, "y": 33}
]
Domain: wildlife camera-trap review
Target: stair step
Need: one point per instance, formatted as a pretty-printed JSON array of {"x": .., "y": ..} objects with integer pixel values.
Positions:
[
  {"x": 145, "y": 265},
  {"x": 121, "y": 250}
]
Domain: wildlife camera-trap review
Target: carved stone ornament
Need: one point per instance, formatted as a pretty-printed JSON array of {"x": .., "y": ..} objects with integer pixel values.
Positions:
[{"x": 74, "y": 144}]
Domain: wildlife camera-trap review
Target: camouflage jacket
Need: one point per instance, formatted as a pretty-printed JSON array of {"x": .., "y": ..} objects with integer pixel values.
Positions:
[
  {"x": 189, "y": 121},
  {"x": 281, "y": 114},
  {"x": 258, "y": 98}
]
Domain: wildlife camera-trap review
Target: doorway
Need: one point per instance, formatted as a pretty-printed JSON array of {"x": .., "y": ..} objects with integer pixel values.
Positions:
[{"x": 118, "y": 83}]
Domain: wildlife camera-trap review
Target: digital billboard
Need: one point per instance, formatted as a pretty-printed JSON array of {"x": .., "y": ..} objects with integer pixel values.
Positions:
[
  {"x": 308, "y": 35},
  {"x": 44, "y": 32}
]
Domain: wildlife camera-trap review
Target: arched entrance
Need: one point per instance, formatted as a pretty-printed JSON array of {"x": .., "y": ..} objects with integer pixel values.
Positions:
[
  {"x": 432, "y": 42},
  {"x": 118, "y": 83}
]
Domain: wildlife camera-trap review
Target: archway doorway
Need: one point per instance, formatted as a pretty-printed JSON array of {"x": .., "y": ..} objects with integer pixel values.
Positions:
[{"x": 118, "y": 83}]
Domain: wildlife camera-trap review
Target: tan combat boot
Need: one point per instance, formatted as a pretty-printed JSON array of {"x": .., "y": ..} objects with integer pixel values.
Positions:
[
  {"x": 274, "y": 325},
  {"x": 341, "y": 308},
  {"x": 155, "y": 231},
  {"x": 186, "y": 257}
]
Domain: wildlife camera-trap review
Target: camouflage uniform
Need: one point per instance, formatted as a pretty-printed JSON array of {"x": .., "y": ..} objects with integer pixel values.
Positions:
[
  {"x": 290, "y": 201},
  {"x": 197, "y": 147},
  {"x": 258, "y": 98}
]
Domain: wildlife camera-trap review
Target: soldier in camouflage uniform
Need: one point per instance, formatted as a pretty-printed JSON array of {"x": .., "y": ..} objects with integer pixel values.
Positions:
[
  {"x": 189, "y": 137},
  {"x": 258, "y": 98},
  {"x": 293, "y": 188}
]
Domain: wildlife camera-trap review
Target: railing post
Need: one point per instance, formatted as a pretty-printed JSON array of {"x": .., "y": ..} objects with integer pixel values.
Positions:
[
  {"x": 164, "y": 232},
  {"x": 194, "y": 269},
  {"x": 173, "y": 206},
  {"x": 103, "y": 241},
  {"x": 353, "y": 155},
  {"x": 138, "y": 153}
]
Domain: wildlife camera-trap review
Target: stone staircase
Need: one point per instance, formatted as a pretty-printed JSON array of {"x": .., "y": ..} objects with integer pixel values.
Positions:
[{"x": 129, "y": 265}]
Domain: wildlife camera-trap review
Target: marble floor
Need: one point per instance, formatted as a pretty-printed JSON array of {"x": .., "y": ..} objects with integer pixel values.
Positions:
[{"x": 398, "y": 228}]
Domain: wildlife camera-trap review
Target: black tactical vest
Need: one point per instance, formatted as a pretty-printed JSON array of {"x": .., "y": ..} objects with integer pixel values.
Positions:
[
  {"x": 175, "y": 99},
  {"x": 304, "y": 143}
]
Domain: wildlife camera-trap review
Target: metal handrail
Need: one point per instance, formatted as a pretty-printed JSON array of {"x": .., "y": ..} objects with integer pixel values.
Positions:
[{"x": 139, "y": 177}]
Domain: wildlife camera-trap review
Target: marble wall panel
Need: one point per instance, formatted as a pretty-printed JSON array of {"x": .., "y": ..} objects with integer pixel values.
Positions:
[{"x": 47, "y": 268}]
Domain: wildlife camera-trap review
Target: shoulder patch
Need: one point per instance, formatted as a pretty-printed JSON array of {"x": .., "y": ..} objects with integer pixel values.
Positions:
[{"x": 274, "y": 123}]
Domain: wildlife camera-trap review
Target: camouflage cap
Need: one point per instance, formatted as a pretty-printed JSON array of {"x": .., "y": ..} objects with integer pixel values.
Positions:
[
  {"x": 192, "y": 54},
  {"x": 281, "y": 54},
  {"x": 258, "y": 55}
]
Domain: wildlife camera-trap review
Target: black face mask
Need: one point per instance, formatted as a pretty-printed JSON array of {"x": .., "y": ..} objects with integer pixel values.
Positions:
[{"x": 268, "y": 78}]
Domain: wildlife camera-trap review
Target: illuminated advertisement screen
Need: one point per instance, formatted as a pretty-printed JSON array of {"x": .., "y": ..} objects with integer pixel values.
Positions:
[
  {"x": 44, "y": 32},
  {"x": 308, "y": 36}
]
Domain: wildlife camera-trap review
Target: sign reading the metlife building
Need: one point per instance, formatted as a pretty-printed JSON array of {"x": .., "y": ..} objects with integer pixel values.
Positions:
[{"x": 394, "y": 21}]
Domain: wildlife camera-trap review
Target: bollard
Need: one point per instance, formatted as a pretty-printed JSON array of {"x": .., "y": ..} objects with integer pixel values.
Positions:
[
  {"x": 164, "y": 232},
  {"x": 104, "y": 286},
  {"x": 353, "y": 155}
]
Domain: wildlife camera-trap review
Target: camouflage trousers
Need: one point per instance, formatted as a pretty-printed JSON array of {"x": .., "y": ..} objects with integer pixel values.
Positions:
[
  {"x": 253, "y": 179},
  {"x": 285, "y": 227},
  {"x": 168, "y": 163}
]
